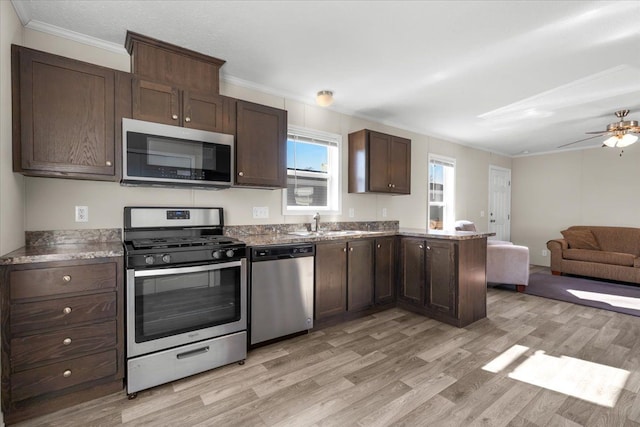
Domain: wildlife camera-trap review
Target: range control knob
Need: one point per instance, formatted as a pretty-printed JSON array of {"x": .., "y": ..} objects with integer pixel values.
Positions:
[
  {"x": 166, "y": 258},
  {"x": 149, "y": 259},
  {"x": 217, "y": 254},
  {"x": 230, "y": 253}
]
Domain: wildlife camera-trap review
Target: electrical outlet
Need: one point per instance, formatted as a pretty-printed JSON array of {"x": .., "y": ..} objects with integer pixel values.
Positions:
[
  {"x": 384, "y": 212},
  {"x": 481, "y": 214},
  {"x": 545, "y": 252},
  {"x": 352, "y": 212},
  {"x": 82, "y": 213},
  {"x": 261, "y": 212}
]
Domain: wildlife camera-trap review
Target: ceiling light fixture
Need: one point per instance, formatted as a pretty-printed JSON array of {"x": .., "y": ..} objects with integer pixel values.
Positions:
[
  {"x": 620, "y": 140},
  {"x": 324, "y": 98}
]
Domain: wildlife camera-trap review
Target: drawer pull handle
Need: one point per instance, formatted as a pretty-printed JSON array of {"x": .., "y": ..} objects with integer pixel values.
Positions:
[
  {"x": 421, "y": 246},
  {"x": 174, "y": 116},
  {"x": 67, "y": 373},
  {"x": 241, "y": 173},
  {"x": 108, "y": 163},
  {"x": 66, "y": 310},
  {"x": 66, "y": 341},
  {"x": 350, "y": 249},
  {"x": 187, "y": 119},
  {"x": 379, "y": 245},
  {"x": 66, "y": 278},
  {"x": 192, "y": 353}
]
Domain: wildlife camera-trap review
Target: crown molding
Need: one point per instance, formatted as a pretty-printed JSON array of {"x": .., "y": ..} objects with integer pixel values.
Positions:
[
  {"x": 77, "y": 37},
  {"x": 22, "y": 11}
]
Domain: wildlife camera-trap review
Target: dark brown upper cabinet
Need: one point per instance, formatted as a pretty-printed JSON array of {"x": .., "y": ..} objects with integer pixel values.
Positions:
[
  {"x": 261, "y": 146},
  {"x": 162, "y": 103},
  {"x": 64, "y": 117},
  {"x": 158, "y": 61},
  {"x": 177, "y": 86},
  {"x": 379, "y": 163}
]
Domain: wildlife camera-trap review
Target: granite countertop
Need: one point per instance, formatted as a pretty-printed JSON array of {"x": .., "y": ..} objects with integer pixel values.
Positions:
[
  {"x": 443, "y": 234},
  {"x": 285, "y": 238},
  {"x": 63, "y": 252},
  {"x": 66, "y": 245}
]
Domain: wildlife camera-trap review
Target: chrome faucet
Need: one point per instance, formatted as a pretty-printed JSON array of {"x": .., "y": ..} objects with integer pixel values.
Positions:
[{"x": 316, "y": 218}]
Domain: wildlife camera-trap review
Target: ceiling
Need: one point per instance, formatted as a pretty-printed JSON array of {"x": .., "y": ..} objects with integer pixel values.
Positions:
[{"x": 512, "y": 77}]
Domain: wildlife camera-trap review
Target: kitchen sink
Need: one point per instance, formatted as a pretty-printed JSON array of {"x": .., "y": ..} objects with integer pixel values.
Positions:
[{"x": 328, "y": 233}]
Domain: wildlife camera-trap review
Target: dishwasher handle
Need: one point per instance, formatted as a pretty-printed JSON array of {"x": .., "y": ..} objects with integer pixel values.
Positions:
[{"x": 270, "y": 253}]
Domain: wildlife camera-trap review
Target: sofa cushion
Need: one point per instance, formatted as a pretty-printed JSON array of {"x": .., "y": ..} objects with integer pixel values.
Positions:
[
  {"x": 581, "y": 239},
  {"x": 615, "y": 258},
  {"x": 614, "y": 239}
]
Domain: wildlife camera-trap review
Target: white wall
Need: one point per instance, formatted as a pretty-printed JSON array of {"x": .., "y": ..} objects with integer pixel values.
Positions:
[
  {"x": 11, "y": 185},
  {"x": 50, "y": 202},
  {"x": 585, "y": 187}
]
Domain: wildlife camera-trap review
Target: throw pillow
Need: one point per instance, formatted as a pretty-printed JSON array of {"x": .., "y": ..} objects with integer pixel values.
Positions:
[{"x": 581, "y": 239}]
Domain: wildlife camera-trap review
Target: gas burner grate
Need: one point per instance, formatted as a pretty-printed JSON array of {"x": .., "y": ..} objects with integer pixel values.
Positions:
[{"x": 176, "y": 242}]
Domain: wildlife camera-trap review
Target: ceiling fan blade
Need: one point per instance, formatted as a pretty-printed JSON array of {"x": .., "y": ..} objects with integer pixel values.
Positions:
[
  {"x": 580, "y": 140},
  {"x": 597, "y": 132}
]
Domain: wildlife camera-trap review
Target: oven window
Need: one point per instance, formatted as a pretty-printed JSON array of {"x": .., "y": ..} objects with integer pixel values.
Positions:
[{"x": 179, "y": 303}]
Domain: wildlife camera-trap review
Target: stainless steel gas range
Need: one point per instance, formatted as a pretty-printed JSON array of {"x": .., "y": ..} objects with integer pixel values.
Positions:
[{"x": 186, "y": 294}]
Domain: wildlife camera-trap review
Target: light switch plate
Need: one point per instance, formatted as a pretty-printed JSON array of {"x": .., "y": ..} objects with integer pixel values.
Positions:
[
  {"x": 384, "y": 212},
  {"x": 352, "y": 212}
]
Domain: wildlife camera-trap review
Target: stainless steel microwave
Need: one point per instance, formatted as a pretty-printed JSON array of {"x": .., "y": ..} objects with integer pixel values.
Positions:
[{"x": 164, "y": 155}]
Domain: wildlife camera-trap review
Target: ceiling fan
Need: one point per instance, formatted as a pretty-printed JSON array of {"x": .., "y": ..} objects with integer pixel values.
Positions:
[{"x": 620, "y": 133}]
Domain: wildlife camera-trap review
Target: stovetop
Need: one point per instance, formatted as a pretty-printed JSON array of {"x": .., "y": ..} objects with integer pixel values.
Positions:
[
  {"x": 187, "y": 241},
  {"x": 171, "y": 237}
]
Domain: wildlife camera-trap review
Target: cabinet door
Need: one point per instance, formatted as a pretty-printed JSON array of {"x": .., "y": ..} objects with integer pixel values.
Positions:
[
  {"x": 331, "y": 279},
  {"x": 385, "y": 272},
  {"x": 379, "y": 162},
  {"x": 203, "y": 111},
  {"x": 441, "y": 276},
  {"x": 156, "y": 102},
  {"x": 412, "y": 262},
  {"x": 66, "y": 123},
  {"x": 400, "y": 165},
  {"x": 360, "y": 274},
  {"x": 261, "y": 145}
]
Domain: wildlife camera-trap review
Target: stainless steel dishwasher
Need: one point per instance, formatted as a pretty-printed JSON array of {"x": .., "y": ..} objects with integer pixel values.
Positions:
[{"x": 281, "y": 291}]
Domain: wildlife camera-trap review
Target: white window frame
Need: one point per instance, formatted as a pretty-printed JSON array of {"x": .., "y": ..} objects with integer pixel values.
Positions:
[
  {"x": 334, "y": 185},
  {"x": 449, "y": 202}
]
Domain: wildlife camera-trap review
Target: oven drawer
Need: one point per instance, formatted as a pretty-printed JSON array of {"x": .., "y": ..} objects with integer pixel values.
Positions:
[
  {"x": 44, "y": 282},
  {"x": 66, "y": 343},
  {"x": 61, "y": 375},
  {"x": 62, "y": 312}
]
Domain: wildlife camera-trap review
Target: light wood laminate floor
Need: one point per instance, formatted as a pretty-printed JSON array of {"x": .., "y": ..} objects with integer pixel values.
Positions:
[{"x": 532, "y": 362}]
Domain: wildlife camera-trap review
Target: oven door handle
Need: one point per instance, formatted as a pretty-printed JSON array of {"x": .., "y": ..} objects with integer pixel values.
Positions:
[{"x": 183, "y": 270}]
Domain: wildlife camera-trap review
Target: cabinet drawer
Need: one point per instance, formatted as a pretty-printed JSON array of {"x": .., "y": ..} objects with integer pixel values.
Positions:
[
  {"x": 62, "y": 312},
  {"x": 66, "y": 343},
  {"x": 61, "y": 375},
  {"x": 60, "y": 280}
]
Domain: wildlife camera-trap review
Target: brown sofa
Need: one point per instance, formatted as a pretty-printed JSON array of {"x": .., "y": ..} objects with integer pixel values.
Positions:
[{"x": 604, "y": 252}]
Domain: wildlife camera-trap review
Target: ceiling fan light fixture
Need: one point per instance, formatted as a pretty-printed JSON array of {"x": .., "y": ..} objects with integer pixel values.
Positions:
[
  {"x": 324, "y": 98},
  {"x": 620, "y": 141}
]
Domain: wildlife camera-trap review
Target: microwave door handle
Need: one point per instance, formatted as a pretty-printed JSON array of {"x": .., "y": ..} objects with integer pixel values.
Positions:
[{"x": 184, "y": 270}]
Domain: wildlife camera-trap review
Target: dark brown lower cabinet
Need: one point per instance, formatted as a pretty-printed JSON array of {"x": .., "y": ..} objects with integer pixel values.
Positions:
[
  {"x": 385, "y": 270},
  {"x": 444, "y": 279},
  {"x": 62, "y": 334},
  {"x": 344, "y": 277}
]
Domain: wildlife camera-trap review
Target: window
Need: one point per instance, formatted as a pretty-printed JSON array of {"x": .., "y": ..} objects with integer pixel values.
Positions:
[
  {"x": 313, "y": 164},
  {"x": 441, "y": 209}
]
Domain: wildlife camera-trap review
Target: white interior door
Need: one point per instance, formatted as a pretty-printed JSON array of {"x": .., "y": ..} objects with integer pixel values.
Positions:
[{"x": 500, "y": 202}]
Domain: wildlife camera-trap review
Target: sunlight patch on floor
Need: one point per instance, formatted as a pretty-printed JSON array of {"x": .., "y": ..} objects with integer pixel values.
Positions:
[
  {"x": 614, "y": 300},
  {"x": 593, "y": 382}
]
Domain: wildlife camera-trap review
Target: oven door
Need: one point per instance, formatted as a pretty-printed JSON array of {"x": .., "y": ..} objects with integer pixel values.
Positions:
[{"x": 175, "y": 306}]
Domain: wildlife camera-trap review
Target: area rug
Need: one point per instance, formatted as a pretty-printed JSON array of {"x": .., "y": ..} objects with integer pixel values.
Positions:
[{"x": 593, "y": 293}]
